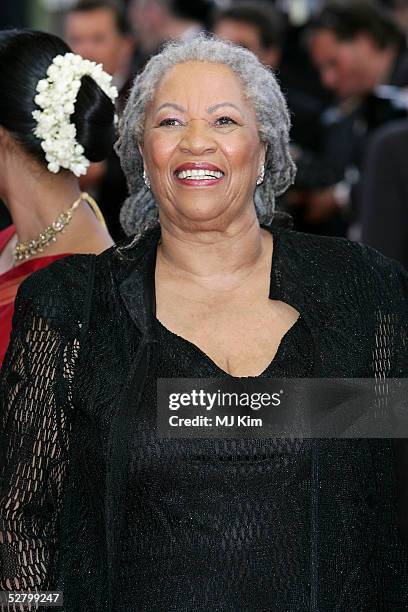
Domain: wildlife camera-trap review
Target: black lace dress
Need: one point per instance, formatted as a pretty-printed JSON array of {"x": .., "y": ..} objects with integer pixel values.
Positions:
[
  {"x": 218, "y": 524},
  {"x": 95, "y": 504}
]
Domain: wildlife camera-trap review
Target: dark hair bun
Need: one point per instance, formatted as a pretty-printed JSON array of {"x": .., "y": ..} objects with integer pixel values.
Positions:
[
  {"x": 25, "y": 56},
  {"x": 94, "y": 120}
]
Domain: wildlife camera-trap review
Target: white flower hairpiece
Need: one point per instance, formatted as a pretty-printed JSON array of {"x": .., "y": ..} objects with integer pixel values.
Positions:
[{"x": 56, "y": 97}]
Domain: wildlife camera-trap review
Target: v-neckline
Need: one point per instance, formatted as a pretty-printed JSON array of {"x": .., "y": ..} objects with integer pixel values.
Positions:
[
  {"x": 274, "y": 361},
  {"x": 272, "y": 295}
]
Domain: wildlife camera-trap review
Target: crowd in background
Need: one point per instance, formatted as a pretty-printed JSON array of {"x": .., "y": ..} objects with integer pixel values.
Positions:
[{"x": 343, "y": 67}]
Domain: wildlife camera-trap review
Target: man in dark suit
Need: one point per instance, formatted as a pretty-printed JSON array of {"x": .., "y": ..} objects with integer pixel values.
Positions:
[{"x": 359, "y": 50}]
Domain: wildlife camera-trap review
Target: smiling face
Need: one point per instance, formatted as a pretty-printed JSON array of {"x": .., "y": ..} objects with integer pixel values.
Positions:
[{"x": 201, "y": 146}]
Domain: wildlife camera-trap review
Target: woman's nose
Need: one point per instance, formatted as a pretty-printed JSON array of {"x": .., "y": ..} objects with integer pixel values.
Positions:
[{"x": 198, "y": 137}]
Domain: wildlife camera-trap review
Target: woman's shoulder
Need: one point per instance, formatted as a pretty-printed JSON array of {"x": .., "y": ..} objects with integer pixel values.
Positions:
[
  {"x": 345, "y": 258},
  {"x": 322, "y": 246},
  {"x": 59, "y": 290},
  {"x": 69, "y": 269},
  {"x": 67, "y": 283},
  {"x": 71, "y": 278}
]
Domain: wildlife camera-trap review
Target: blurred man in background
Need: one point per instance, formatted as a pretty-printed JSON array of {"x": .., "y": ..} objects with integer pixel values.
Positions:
[
  {"x": 358, "y": 48},
  {"x": 98, "y": 31},
  {"x": 157, "y": 21},
  {"x": 357, "y": 45},
  {"x": 256, "y": 25},
  {"x": 147, "y": 18}
]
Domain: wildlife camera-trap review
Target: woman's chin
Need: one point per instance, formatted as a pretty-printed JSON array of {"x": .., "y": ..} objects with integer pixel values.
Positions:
[
  {"x": 200, "y": 222},
  {"x": 201, "y": 213},
  {"x": 202, "y": 210}
]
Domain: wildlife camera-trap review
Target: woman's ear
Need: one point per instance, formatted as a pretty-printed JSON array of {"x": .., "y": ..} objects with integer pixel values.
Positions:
[{"x": 262, "y": 155}]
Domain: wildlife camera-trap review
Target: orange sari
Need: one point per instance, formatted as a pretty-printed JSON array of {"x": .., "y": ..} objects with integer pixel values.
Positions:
[{"x": 9, "y": 284}]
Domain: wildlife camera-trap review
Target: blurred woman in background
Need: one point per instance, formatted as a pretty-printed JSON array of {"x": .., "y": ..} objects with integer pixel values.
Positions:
[{"x": 51, "y": 126}]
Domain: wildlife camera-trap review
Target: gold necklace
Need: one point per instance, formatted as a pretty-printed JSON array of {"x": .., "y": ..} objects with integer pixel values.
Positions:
[{"x": 28, "y": 248}]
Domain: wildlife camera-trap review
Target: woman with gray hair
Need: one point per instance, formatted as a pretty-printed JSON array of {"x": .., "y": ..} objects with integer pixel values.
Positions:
[
  {"x": 263, "y": 95},
  {"x": 95, "y": 500}
]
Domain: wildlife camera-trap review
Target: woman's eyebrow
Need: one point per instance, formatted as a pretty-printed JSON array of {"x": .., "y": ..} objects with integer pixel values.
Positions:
[
  {"x": 172, "y": 105},
  {"x": 212, "y": 109}
]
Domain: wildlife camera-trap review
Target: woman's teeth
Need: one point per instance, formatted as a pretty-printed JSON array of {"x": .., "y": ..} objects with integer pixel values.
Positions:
[{"x": 199, "y": 174}]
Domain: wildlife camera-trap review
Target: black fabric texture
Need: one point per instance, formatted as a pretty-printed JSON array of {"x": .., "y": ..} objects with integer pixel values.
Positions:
[{"x": 92, "y": 503}]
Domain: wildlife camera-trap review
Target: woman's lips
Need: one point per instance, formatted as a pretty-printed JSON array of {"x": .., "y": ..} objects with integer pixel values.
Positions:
[{"x": 201, "y": 174}]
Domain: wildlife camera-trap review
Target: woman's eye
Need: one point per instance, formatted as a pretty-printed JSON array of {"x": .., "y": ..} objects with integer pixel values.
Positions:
[
  {"x": 225, "y": 121},
  {"x": 170, "y": 121}
]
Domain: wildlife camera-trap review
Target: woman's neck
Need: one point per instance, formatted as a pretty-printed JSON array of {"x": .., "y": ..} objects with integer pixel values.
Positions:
[
  {"x": 35, "y": 201},
  {"x": 35, "y": 197},
  {"x": 224, "y": 256}
]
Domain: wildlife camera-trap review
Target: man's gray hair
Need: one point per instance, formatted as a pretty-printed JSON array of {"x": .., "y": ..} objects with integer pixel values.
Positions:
[{"x": 140, "y": 211}]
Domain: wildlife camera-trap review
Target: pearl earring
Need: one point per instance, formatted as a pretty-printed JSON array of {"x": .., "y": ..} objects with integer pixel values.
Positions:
[
  {"x": 146, "y": 179},
  {"x": 260, "y": 178}
]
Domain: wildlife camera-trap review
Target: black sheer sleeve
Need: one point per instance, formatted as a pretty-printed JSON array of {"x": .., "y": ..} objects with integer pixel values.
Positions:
[{"x": 35, "y": 426}]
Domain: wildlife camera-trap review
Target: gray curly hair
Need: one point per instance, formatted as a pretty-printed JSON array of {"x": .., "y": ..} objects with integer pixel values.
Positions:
[{"x": 140, "y": 211}]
